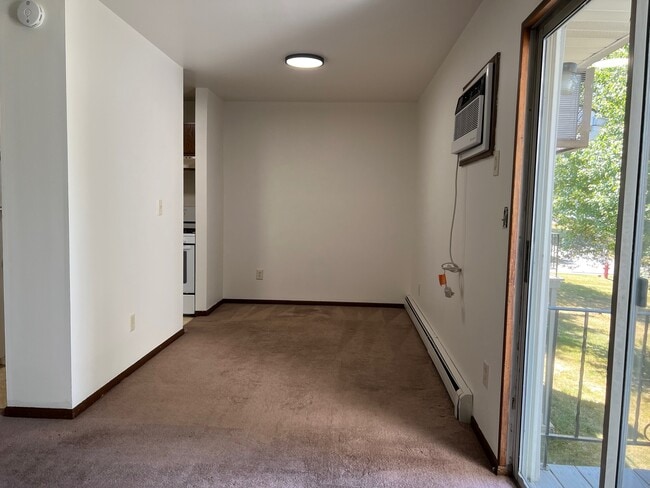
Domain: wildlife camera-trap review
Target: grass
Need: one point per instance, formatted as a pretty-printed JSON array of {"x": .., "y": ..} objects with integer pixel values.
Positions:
[{"x": 589, "y": 291}]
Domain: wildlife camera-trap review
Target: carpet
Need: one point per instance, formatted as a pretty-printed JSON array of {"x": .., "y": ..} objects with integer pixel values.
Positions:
[{"x": 263, "y": 396}]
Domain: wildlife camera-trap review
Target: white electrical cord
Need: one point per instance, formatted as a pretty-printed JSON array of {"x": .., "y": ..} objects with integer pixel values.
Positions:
[{"x": 451, "y": 265}]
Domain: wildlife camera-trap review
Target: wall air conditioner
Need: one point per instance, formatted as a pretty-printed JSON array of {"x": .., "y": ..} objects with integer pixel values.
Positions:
[
  {"x": 459, "y": 392},
  {"x": 475, "y": 115},
  {"x": 574, "y": 109},
  {"x": 468, "y": 124}
]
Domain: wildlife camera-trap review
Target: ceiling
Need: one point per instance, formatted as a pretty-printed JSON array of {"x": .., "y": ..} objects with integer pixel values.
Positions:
[
  {"x": 375, "y": 50},
  {"x": 598, "y": 29}
]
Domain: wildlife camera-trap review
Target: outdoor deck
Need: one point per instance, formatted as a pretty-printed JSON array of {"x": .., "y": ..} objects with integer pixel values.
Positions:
[{"x": 557, "y": 476}]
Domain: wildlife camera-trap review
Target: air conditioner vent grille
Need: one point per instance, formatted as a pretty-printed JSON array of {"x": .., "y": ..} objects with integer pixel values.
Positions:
[
  {"x": 468, "y": 118},
  {"x": 574, "y": 113}
]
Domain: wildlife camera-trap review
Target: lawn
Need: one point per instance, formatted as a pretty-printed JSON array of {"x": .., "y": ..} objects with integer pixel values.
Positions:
[{"x": 593, "y": 292}]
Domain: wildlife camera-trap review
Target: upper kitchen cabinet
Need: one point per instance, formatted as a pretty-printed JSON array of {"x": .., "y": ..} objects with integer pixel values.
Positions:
[
  {"x": 189, "y": 128},
  {"x": 189, "y": 135},
  {"x": 189, "y": 139}
]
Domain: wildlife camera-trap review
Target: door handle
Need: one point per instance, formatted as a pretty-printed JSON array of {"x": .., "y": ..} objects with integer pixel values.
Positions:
[{"x": 184, "y": 267}]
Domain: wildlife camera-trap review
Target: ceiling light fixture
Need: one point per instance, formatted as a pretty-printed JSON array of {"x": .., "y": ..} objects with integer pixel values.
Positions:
[{"x": 304, "y": 61}]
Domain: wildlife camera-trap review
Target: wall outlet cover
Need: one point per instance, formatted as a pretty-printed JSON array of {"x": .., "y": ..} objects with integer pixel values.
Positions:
[
  {"x": 486, "y": 374},
  {"x": 497, "y": 160}
]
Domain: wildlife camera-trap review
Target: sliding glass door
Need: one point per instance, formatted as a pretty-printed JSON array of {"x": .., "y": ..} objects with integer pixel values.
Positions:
[
  {"x": 585, "y": 386},
  {"x": 629, "y": 434}
]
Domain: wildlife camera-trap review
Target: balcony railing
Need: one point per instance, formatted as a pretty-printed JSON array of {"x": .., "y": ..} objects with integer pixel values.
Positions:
[{"x": 638, "y": 436}]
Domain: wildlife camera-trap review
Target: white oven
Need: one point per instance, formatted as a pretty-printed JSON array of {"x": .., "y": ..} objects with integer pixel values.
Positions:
[
  {"x": 188, "y": 267},
  {"x": 189, "y": 241},
  {"x": 189, "y": 263}
]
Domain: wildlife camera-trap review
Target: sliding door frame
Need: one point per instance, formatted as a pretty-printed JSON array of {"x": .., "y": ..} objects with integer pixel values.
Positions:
[
  {"x": 519, "y": 245},
  {"x": 544, "y": 20},
  {"x": 630, "y": 223}
]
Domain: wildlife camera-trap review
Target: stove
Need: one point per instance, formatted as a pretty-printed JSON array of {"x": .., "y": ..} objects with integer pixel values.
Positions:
[{"x": 189, "y": 261}]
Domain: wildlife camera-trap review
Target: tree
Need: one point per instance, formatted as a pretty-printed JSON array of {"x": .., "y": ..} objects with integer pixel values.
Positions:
[{"x": 587, "y": 181}]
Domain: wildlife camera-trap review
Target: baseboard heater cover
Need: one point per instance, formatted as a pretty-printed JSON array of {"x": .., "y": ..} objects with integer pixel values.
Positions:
[{"x": 459, "y": 392}]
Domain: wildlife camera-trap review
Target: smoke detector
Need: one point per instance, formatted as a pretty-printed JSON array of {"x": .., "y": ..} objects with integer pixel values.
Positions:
[{"x": 30, "y": 13}]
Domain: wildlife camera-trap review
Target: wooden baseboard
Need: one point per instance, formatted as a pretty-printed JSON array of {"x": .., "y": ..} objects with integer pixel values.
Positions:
[
  {"x": 504, "y": 471},
  {"x": 203, "y": 313},
  {"x": 38, "y": 413},
  {"x": 313, "y": 303},
  {"x": 494, "y": 464},
  {"x": 71, "y": 413}
]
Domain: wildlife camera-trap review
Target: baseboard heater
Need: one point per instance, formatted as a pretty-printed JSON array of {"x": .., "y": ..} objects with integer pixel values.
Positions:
[{"x": 459, "y": 392}]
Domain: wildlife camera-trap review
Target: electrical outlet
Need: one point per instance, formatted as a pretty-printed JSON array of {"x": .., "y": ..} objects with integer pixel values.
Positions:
[
  {"x": 132, "y": 322},
  {"x": 160, "y": 208},
  {"x": 486, "y": 374},
  {"x": 497, "y": 160},
  {"x": 259, "y": 274}
]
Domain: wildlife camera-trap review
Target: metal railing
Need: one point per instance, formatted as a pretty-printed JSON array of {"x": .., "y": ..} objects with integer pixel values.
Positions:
[
  {"x": 555, "y": 252},
  {"x": 640, "y": 385}
]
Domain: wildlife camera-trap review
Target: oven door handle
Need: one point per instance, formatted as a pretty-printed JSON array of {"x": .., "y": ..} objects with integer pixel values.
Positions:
[{"x": 184, "y": 266}]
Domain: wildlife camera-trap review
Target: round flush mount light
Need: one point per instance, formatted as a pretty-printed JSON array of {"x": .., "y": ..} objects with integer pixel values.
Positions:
[{"x": 304, "y": 61}]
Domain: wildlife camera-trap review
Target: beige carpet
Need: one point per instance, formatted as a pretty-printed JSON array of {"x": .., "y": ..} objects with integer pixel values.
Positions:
[{"x": 263, "y": 396}]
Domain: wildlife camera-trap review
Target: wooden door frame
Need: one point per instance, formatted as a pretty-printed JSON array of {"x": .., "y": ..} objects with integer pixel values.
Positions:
[{"x": 516, "y": 250}]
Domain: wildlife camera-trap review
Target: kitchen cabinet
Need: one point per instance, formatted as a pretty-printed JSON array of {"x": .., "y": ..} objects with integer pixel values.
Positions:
[{"x": 189, "y": 140}]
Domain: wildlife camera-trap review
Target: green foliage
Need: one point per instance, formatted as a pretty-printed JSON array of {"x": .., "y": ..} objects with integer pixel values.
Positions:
[
  {"x": 587, "y": 181},
  {"x": 582, "y": 290}
]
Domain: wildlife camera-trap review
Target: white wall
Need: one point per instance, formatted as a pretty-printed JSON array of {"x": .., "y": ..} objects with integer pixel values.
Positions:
[
  {"x": 125, "y": 115},
  {"x": 471, "y": 323},
  {"x": 189, "y": 110},
  {"x": 2, "y": 302},
  {"x": 189, "y": 188},
  {"x": 35, "y": 209},
  {"x": 209, "y": 199},
  {"x": 2, "y": 305},
  {"x": 319, "y": 195}
]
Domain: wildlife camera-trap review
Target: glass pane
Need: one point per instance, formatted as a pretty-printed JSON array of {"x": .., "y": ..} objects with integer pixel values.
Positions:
[
  {"x": 575, "y": 212},
  {"x": 635, "y": 455}
]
